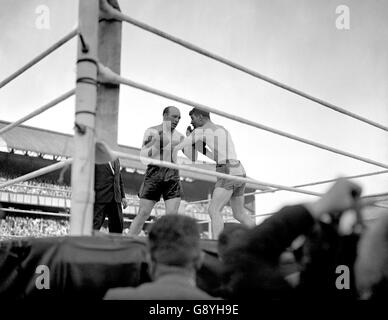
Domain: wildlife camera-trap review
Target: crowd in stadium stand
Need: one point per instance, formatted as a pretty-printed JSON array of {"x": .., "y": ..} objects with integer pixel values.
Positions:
[
  {"x": 38, "y": 187},
  {"x": 11, "y": 227}
]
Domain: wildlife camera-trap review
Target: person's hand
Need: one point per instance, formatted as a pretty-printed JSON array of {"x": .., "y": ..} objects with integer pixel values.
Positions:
[
  {"x": 150, "y": 141},
  {"x": 124, "y": 202},
  {"x": 343, "y": 195}
]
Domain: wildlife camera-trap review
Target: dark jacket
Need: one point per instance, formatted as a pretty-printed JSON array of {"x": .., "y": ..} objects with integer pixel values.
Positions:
[
  {"x": 252, "y": 265},
  {"x": 108, "y": 187}
]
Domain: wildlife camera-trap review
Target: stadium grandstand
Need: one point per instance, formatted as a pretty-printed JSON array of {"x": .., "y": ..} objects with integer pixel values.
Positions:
[
  {"x": 50, "y": 250},
  {"x": 43, "y": 204}
]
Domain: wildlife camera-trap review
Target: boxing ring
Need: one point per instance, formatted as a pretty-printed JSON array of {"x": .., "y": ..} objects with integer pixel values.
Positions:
[{"x": 97, "y": 72}]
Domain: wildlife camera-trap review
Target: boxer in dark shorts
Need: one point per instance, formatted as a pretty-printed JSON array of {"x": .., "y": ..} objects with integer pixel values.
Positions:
[
  {"x": 160, "y": 182},
  {"x": 158, "y": 143}
]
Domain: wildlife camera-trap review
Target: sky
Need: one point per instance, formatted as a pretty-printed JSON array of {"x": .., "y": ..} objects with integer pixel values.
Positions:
[{"x": 295, "y": 42}]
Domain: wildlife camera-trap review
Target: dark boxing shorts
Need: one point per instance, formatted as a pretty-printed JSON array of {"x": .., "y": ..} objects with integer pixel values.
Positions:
[
  {"x": 235, "y": 168},
  {"x": 159, "y": 181}
]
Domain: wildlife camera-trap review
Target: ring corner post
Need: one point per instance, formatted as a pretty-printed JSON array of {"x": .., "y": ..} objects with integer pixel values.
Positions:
[
  {"x": 82, "y": 175},
  {"x": 109, "y": 55}
]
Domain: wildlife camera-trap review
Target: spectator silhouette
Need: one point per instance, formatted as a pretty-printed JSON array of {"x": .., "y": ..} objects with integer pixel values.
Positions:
[
  {"x": 371, "y": 267},
  {"x": 231, "y": 234}
]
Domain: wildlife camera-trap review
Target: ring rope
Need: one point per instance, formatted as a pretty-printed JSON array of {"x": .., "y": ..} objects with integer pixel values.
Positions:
[
  {"x": 377, "y": 195},
  {"x": 37, "y": 173},
  {"x": 37, "y": 111},
  {"x": 324, "y": 181},
  {"x": 380, "y": 206},
  {"x": 39, "y": 57},
  {"x": 309, "y": 185},
  {"x": 208, "y": 172},
  {"x": 109, "y": 76},
  {"x": 119, "y": 15}
]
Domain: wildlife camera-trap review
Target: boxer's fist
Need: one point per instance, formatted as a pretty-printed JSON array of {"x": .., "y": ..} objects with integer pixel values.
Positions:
[
  {"x": 157, "y": 139},
  {"x": 150, "y": 141},
  {"x": 189, "y": 130}
]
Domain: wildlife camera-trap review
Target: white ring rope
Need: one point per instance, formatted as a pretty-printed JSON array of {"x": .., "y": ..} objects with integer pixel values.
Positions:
[
  {"x": 380, "y": 206},
  {"x": 324, "y": 181},
  {"x": 259, "y": 184},
  {"x": 37, "y": 111},
  {"x": 109, "y": 10},
  {"x": 312, "y": 184},
  {"x": 108, "y": 76},
  {"x": 378, "y": 195},
  {"x": 39, "y": 57}
]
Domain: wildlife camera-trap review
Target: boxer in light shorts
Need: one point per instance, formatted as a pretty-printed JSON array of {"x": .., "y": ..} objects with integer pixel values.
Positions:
[{"x": 215, "y": 142}]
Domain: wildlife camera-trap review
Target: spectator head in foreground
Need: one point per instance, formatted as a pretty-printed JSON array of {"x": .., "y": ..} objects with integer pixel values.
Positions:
[
  {"x": 174, "y": 240},
  {"x": 371, "y": 267},
  {"x": 174, "y": 249}
]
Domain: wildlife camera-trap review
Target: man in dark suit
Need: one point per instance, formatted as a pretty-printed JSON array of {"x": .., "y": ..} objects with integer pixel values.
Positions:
[{"x": 109, "y": 196}]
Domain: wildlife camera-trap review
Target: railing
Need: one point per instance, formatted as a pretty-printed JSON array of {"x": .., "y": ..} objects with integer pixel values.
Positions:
[{"x": 34, "y": 199}]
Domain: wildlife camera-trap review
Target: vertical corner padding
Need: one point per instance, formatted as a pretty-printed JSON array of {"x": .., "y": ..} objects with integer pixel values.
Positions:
[{"x": 109, "y": 55}]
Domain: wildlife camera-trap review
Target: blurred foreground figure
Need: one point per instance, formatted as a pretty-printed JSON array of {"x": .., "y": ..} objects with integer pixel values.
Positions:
[
  {"x": 371, "y": 268},
  {"x": 253, "y": 262},
  {"x": 175, "y": 256}
]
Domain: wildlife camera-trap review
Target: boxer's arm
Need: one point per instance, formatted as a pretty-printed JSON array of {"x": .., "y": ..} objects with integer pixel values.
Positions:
[
  {"x": 187, "y": 142},
  {"x": 149, "y": 146}
]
